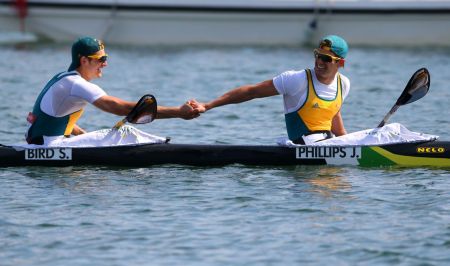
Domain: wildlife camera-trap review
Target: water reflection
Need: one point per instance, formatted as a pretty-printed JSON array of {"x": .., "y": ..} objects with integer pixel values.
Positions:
[
  {"x": 326, "y": 181},
  {"x": 74, "y": 179}
]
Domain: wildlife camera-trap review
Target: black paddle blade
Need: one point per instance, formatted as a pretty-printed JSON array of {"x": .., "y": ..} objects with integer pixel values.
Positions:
[
  {"x": 417, "y": 87},
  {"x": 144, "y": 111}
]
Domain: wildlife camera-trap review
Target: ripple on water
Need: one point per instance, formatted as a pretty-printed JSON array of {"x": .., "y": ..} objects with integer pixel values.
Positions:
[{"x": 232, "y": 215}]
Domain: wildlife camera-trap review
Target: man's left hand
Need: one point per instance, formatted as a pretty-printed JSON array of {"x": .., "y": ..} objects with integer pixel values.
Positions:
[{"x": 188, "y": 112}]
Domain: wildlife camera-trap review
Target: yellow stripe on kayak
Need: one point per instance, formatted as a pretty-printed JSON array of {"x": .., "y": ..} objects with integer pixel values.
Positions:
[{"x": 411, "y": 160}]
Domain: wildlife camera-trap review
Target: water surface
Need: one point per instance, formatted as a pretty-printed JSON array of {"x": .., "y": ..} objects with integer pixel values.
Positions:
[{"x": 232, "y": 215}]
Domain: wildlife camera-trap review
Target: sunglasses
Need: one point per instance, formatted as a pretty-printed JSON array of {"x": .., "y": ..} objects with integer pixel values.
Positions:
[
  {"x": 100, "y": 58},
  {"x": 326, "y": 57}
]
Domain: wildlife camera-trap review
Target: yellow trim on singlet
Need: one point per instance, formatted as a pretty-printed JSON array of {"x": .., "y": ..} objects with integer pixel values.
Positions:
[
  {"x": 73, "y": 118},
  {"x": 317, "y": 113}
]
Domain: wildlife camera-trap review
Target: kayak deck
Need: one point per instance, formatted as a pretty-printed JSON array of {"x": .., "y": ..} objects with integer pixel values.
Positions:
[{"x": 434, "y": 153}]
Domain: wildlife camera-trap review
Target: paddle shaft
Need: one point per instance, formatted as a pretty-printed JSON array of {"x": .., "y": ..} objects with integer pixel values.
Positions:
[
  {"x": 417, "y": 87},
  {"x": 120, "y": 123},
  {"x": 388, "y": 115}
]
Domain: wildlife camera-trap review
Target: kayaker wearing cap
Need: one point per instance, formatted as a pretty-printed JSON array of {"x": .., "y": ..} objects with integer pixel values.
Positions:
[
  {"x": 312, "y": 97},
  {"x": 61, "y": 102}
]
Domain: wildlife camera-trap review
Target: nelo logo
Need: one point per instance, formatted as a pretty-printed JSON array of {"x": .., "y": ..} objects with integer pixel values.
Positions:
[{"x": 430, "y": 150}]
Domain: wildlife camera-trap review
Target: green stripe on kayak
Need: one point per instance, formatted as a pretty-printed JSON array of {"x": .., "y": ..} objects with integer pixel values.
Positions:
[
  {"x": 405, "y": 160},
  {"x": 369, "y": 157}
]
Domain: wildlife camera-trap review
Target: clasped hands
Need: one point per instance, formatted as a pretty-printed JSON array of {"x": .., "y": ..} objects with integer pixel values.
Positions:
[{"x": 192, "y": 109}]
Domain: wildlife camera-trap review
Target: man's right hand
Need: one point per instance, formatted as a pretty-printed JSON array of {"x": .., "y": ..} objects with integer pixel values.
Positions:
[
  {"x": 200, "y": 107},
  {"x": 187, "y": 112}
]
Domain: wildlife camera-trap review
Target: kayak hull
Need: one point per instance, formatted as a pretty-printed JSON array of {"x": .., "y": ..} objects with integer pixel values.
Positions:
[{"x": 434, "y": 153}]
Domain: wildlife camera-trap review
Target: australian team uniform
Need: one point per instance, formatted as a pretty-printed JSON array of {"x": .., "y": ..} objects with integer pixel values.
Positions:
[
  {"x": 310, "y": 105},
  {"x": 59, "y": 106}
]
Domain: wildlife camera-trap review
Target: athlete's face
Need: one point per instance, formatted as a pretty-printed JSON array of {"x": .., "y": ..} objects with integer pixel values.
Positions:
[
  {"x": 95, "y": 64},
  {"x": 326, "y": 65}
]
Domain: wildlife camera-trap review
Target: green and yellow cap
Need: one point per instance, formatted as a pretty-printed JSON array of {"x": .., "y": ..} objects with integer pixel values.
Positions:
[
  {"x": 84, "y": 46},
  {"x": 335, "y": 44}
]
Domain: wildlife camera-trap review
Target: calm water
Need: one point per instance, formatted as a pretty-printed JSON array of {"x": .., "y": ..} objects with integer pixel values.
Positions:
[{"x": 233, "y": 215}]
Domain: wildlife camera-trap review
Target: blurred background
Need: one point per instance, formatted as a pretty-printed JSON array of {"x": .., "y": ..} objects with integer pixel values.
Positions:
[
  {"x": 233, "y": 215},
  {"x": 289, "y": 22}
]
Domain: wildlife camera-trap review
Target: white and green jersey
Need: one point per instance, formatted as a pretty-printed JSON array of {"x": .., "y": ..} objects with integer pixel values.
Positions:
[{"x": 60, "y": 104}]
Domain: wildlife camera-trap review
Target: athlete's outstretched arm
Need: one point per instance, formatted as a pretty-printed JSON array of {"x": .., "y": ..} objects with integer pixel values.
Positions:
[
  {"x": 114, "y": 105},
  {"x": 120, "y": 107},
  {"x": 239, "y": 95}
]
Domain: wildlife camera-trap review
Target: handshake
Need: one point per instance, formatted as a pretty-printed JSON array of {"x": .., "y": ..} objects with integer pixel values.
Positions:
[{"x": 191, "y": 109}]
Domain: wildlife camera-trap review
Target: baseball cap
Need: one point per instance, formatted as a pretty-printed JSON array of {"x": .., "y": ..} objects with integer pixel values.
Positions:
[
  {"x": 335, "y": 44},
  {"x": 84, "y": 46}
]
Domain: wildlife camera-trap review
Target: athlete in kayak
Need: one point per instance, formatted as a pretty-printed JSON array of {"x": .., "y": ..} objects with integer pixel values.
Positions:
[
  {"x": 312, "y": 97},
  {"x": 61, "y": 102}
]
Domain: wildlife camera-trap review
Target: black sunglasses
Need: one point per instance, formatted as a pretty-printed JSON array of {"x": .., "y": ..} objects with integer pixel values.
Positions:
[
  {"x": 326, "y": 57},
  {"x": 101, "y": 59}
]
